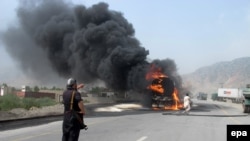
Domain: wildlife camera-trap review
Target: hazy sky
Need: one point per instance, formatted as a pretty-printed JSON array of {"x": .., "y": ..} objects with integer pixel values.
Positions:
[{"x": 194, "y": 33}]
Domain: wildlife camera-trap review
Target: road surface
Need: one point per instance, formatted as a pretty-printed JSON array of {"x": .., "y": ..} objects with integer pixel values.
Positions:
[{"x": 207, "y": 121}]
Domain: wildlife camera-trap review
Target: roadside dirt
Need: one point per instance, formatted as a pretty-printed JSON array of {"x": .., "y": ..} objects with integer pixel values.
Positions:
[{"x": 19, "y": 113}]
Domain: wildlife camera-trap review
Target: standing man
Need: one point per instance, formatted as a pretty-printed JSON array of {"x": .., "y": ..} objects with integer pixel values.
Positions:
[
  {"x": 72, "y": 99},
  {"x": 187, "y": 104}
]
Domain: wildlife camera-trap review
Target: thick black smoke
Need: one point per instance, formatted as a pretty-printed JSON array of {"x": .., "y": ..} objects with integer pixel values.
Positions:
[{"x": 88, "y": 43}]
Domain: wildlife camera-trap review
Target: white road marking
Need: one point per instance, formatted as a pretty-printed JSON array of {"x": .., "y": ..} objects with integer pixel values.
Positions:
[{"x": 142, "y": 138}]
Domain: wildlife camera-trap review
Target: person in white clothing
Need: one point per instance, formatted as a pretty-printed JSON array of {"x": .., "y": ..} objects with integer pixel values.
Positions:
[{"x": 187, "y": 104}]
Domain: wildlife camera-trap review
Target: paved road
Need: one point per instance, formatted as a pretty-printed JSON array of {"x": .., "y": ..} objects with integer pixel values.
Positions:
[{"x": 207, "y": 122}]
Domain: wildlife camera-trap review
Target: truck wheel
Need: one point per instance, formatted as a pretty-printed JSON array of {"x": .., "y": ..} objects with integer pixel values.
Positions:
[{"x": 245, "y": 109}]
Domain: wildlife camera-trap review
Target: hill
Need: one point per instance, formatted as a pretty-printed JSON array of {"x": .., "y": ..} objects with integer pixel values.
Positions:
[{"x": 230, "y": 74}]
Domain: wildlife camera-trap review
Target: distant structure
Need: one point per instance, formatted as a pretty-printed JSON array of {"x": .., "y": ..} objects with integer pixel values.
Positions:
[
  {"x": 4, "y": 90},
  {"x": 24, "y": 88},
  {"x": 1, "y": 91}
]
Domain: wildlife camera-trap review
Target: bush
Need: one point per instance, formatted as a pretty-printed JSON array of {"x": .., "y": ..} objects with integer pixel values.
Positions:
[
  {"x": 30, "y": 102},
  {"x": 10, "y": 101},
  {"x": 45, "y": 101}
]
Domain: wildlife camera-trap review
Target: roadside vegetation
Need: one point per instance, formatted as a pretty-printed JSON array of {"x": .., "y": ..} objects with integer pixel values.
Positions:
[{"x": 11, "y": 101}]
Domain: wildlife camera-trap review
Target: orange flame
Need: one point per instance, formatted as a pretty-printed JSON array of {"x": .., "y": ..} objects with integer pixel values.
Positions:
[
  {"x": 156, "y": 73},
  {"x": 177, "y": 104},
  {"x": 157, "y": 88}
]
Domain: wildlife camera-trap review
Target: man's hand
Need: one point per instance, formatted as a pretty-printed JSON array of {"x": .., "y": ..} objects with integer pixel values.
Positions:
[{"x": 79, "y": 86}]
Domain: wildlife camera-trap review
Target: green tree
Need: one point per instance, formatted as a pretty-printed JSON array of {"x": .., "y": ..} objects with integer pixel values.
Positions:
[
  {"x": 13, "y": 89},
  {"x": 53, "y": 88},
  {"x": 44, "y": 88},
  {"x": 5, "y": 85},
  {"x": 36, "y": 89},
  {"x": 28, "y": 89},
  {"x": 58, "y": 89}
]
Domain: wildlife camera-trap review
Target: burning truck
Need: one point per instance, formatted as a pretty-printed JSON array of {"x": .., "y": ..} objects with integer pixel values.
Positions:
[{"x": 164, "y": 93}]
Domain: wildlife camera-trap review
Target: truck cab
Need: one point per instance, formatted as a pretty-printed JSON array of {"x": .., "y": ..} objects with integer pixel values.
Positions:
[{"x": 246, "y": 99}]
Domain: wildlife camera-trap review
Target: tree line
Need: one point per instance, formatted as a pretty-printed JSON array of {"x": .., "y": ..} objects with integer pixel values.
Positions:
[{"x": 34, "y": 88}]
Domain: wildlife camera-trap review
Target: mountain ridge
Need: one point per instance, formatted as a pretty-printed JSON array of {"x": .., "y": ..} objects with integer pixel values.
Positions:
[{"x": 227, "y": 74}]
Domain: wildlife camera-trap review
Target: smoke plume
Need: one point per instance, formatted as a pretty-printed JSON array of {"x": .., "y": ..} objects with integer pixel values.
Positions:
[{"x": 87, "y": 43}]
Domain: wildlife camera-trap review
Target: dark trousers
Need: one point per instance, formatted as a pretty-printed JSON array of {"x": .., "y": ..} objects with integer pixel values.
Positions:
[
  {"x": 71, "y": 130},
  {"x": 71, "y": 135}
]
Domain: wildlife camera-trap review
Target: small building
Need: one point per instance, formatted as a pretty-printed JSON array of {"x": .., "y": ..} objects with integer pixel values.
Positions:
[
  {"x": 24, "y": 88},
  {"x": 4, "y": 90}
]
